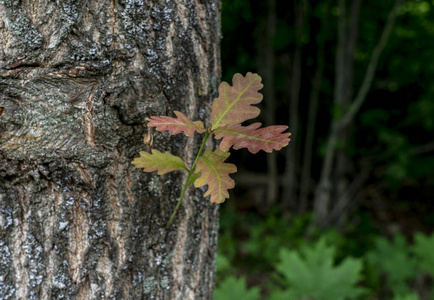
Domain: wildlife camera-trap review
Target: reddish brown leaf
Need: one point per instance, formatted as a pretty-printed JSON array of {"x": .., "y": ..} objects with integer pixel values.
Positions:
[
  {"x": 234, "y": 104},
  {"x": 252, "y": 137},
  {"x": 157, "y": 161},
  {"x": 215, "y": 174},
  {"x": 177, "y": 125}
]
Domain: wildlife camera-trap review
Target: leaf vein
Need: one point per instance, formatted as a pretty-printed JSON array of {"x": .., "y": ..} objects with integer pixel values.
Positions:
[{"x": 232, "y": 104}]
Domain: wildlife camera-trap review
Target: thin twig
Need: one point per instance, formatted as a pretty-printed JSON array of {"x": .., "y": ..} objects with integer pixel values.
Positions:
[{"x": 187, "y": 181}]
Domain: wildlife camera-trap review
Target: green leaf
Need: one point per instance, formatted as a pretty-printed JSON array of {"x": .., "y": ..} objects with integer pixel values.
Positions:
[
  {"x": 412, "y": 296},
  {"x": 393, "y": 259},
  {"x": 234, "y": 104},
  {"x": 223, "y": 264},
  {"x": 424, "y": 250},
  {"x": 312, "y": 274},
  {"x": 252, "y": 137},
  {"x": 215, "y": 174},
  {"x": 177, "y": 125},
  {"x": 157, "y": 161},
  {"x": 233, "y": 288}
]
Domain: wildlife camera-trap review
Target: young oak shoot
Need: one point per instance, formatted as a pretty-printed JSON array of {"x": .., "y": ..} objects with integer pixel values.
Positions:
[{"x": 229, "y": 110}]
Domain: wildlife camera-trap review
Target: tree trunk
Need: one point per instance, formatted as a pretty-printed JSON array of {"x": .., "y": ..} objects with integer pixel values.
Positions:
[
  {"x": 289, "y": 199},
  {"x": 77, "y": 82},
  {"x": 343, "y": 162},
  {"x": 306, "y": 174},
  {"x": 324, "y": 189},
  {"x": 267, "y": 64}
]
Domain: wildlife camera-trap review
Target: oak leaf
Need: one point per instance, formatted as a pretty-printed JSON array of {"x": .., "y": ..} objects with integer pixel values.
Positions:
[
  {"x": 177, "y": 125},
  {"x": 215, "y": 174},
  {"x": 157, "y": 161},
  {"x": 252, "y": 137},
  {"x": 234, "y": 104}
]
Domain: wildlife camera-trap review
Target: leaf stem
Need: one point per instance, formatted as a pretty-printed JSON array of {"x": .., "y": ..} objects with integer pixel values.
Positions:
[{"x": 190, "y": 173}]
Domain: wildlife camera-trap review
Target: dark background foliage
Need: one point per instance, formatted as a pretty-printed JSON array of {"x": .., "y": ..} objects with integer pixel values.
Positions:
[
  {"x": 380, "y": 179},
  {"x": 393, "y": 130}
]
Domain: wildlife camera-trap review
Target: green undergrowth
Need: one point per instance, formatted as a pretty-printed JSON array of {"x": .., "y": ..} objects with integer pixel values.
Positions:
[{"x": 272, "y": 257}]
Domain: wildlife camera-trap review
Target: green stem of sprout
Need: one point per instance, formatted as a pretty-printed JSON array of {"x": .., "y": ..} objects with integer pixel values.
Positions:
[{"x": 190, "y": 173}]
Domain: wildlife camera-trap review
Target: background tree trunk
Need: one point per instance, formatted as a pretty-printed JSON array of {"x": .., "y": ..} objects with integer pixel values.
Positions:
[
  {"x": 308, "y": 150},
  {"x": 266, "y": 65},
  {"x": 324, "y": 209},
  {"x": 77, "y": 81},
  {"x": 290, "y": 191}
]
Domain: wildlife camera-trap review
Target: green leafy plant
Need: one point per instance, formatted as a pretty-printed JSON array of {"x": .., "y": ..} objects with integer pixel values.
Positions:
[
  {"x": 411, "y": 296},
  {"x": 393, "y": 259},
  {"x": 312, "y": 274},
  {"x": 235, "y": 288},
  {"x": 229, "y": 110},
  {"x": 424, "y": 251}
]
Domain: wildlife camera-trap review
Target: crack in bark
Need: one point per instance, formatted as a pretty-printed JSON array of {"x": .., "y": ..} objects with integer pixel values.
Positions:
[
  {"x": 87, "y": 119},
  {"x": 19, "y": 260}
]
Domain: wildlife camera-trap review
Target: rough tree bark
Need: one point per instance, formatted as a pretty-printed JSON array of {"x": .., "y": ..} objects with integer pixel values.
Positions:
[{"x": 77, "y": 81}]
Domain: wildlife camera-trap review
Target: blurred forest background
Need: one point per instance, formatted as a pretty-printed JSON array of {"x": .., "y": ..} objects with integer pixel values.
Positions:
[{"x": 346, "y": 211}]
